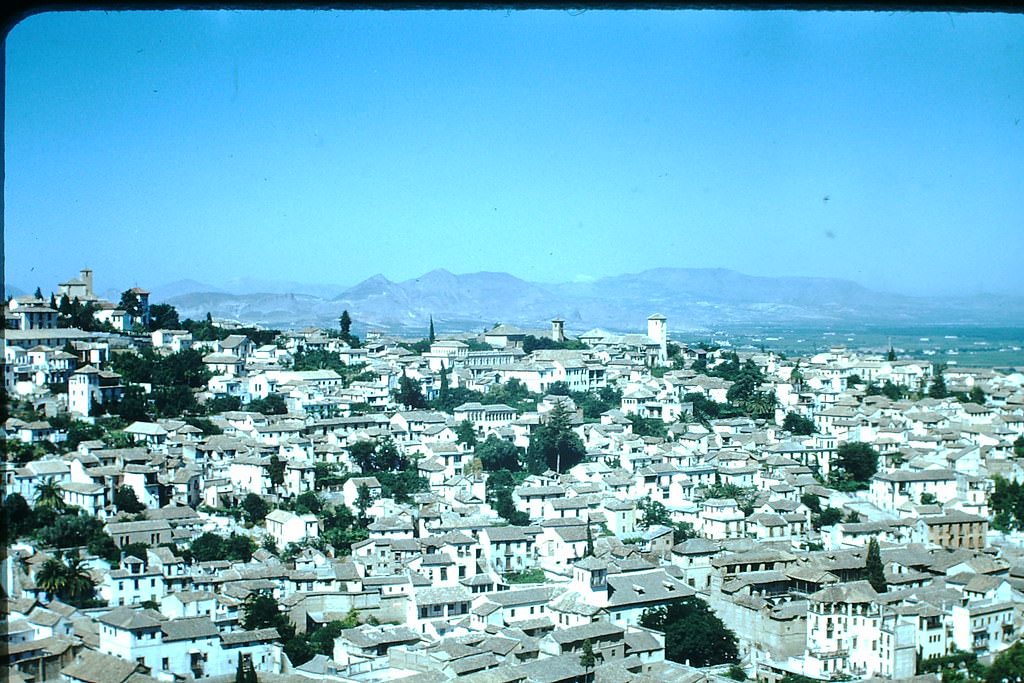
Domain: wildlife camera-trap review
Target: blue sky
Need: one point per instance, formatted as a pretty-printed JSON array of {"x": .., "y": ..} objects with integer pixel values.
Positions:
[{"x": 328, "y": 146}]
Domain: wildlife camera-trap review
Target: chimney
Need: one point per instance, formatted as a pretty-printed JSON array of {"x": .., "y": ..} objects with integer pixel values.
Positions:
[{"x": 87, "y": 279}]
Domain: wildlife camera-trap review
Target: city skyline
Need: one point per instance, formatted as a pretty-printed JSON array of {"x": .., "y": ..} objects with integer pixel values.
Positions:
[{"x": 326, "y": 147}]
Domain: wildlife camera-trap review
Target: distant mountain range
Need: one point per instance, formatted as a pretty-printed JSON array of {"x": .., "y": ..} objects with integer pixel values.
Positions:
[{"x": 692, "y": 299}]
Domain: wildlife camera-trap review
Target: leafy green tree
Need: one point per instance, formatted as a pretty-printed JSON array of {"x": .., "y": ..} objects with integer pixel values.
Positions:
[
  {"x": 135, "y": 550},
  {"x": 364, "y": 454},
  {"x": 275, "y": 470},
  {"x": 811, "y": 502},
  {"x": 798, "y": 424},
  {"x": 224, "y": 404},
  {"x": 205, "y": 425},
  {"x": 131, "y": 304},
  {"x": 894, "y": 392},
  {"x": 532, "y": 343},
  {"x": 239, "y": 548},
  {"x": 705, "y": 409},
  {"x": 208, "y": 547},
  {"x": 402, "y": 484},
  {"x": 450, "y": 398},
  {"x": 308, "y": 503},
  {"x": 746, "y": 378},
  {"x": 125, "y": 500},
  {"x": 874, "y": 568},
  {"x": 976, "y": 395},
  {"x": 273, "y": 404},
  {"x": 102, "y": 545},
  {"x": 20, "y": 453},
  {"x": 594, "y": 403},
  {"x": 1018, "y": 447},
  {"x": 653, "y": 513},
  {"x": 466, "y": 433},
  {"x": 737, "y": 673},
  {"x": 255, "y": 508},
  {"x": 75, "y": 314},
  {"x": 377, "y": 456},
  {"x": 497, "y": 454},
  {"x": 648, "y": 426},
  {"x": 163, "y": 317},
  {"x": 829, "y": 516},
  {"x": 261, "y": 610},
  {"x": 858, "y": 460},
  {"x": 1007, "y": 503},
  {"x": 513, "y": 393},
  {"x": 17, "y": 518},
  {"x": 499, "y": 496},
  {"x": 133, "y": 405},
  {"x": 174, "y": 401},
  {"x": 693, "y": 633},
  {"x": 937, "y": 389},
  {"x": 208, "y": 330},
  {"x": 1008, "y": 666},
  {"x": 554, "y": 445},
  {"x": 298, "y": 650},
  {"x": 558, "y": 389},
  {"x": 79, "y": 431},
  {"x": 409, "y": 394},
  {"x": 342, "y": 540}
]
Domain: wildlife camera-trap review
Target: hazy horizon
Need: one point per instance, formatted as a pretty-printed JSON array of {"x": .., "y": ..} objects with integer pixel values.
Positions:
[
  {"x": 244, "y": 282},
  {"x": 328, "y": 146}
]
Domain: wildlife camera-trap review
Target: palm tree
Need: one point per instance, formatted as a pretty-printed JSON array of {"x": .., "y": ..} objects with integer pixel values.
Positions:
[
  {"x": 52, "y": 577},
  {"x": 760, "y": 404},
  {"x": 796, "y": 377},
  {"x": 78, "y": 583},
  {"x": 48, "y": 495}
]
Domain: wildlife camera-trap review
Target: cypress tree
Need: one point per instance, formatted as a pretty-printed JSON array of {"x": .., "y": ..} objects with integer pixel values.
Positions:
[
  {"x": 587, "y": 658},
  {"x": 345, "y": 324},
  {"x": 874, "y": 568},
  {"x": 431, "y": 336},
  {"x": 445, "y": 390}
]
